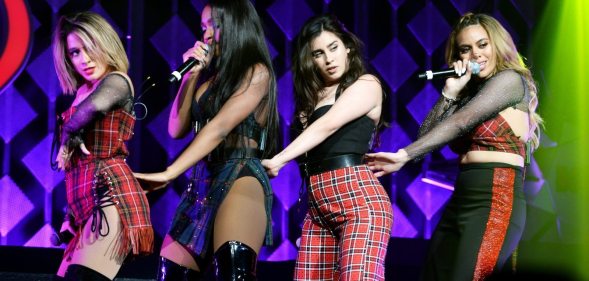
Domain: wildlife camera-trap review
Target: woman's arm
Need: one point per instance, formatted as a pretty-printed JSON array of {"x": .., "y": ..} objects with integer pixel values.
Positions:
[
  {"x": 503, "y": 90},
  {"x": 113, "y": 91},
  {"x": 179, "y": 121},
  {"x": 443, "y": 107},
  {"x": 234, "y": 111},
  {"x": 356, "y": 101}
]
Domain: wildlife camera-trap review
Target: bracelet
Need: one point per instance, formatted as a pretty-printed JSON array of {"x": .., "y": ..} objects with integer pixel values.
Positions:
[{"x": 448, "y": 99}]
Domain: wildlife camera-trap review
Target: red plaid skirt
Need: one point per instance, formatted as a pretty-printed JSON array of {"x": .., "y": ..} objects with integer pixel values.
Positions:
[
  {"x": 347, "y": 228},
  {"x": 110, "y": 180}
]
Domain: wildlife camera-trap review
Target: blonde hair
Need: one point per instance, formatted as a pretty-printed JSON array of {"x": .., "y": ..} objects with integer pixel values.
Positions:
[
  {"x": 100, "y": 41},
  {"x": 506, "y": 56}
]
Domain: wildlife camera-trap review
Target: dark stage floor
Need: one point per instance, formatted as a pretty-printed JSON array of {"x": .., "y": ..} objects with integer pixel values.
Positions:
[{"x": 404, "y": 260}]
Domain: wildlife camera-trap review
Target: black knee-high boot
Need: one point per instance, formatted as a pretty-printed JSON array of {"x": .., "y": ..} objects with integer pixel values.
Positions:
[
  {"x": 76, "y": 272},
  {"x": 171, "y": 271},
  {"x": 235, "y": 261}
]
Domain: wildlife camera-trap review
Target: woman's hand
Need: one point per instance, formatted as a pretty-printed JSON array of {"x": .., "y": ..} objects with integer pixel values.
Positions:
[
  {"x": 200, "y": 52},
  {"x": 64, "y": 155},
  {"x": 384, "y": 163},
  {"x": 153, "y": 181},
  {"x": 272, "y": 166},
  {"x": 455, "y": 84}
]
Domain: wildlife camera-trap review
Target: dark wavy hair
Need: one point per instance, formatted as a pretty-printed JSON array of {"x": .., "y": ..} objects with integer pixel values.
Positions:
[
  {"x": 242, "y": 45},
  {"x": 307, "y": 77}
]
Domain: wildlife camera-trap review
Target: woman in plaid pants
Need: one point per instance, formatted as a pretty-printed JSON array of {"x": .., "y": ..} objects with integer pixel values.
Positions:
[{"x": 347, "y": 228}]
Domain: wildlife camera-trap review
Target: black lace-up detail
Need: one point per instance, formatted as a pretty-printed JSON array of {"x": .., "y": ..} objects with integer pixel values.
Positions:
[{"x": 103, "y": 195}]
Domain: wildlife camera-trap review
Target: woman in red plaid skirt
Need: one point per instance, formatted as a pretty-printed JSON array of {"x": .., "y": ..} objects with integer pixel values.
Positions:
[
  {"x": 347, "y": 228},
  {"x": 224, "y": 215},
  {"x": 489, "y": 119},
  {"x": 108, "y": 212}
]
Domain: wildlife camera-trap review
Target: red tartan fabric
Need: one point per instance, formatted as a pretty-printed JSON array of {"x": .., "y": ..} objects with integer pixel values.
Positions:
[
  {"x": 106, "y": 168},
  {"x": 495, "y": 134},
  {"x": 106, "y": 137},
  {"x": 347, "y": 228}
]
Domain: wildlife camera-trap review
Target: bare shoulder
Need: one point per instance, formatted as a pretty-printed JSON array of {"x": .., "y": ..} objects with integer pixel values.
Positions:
[
  {"x": 369, "y": 78},
  {"x": 366, "y": 83},
  {"x": 260, "y": 73}
]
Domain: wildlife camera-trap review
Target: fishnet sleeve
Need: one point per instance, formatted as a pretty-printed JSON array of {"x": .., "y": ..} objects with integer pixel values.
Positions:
[
  {"x": 503, "y": 90},
  {"x": 113, "y": 91}
]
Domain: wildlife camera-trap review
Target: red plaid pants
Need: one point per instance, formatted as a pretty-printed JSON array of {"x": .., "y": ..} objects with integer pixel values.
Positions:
[{"x": 347, "y": 229}]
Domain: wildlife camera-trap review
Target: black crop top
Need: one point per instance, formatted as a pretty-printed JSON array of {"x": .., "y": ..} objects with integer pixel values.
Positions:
[
  {"x": 353, "y": 138},
  {"x": 201, "y": 114}
]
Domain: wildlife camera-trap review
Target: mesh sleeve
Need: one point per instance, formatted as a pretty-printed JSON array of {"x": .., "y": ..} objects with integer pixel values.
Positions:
[
  {"x": 503, "y": 90},
  {"x": 112, "y": 92}
]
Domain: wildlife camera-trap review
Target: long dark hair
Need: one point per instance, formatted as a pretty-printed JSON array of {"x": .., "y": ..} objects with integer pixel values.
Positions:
[
  {"x": 242, "y": 45},
  {"x": 306, "y": 76}
]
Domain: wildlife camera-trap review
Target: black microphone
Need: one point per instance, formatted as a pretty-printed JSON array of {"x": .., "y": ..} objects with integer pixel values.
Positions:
[
  {"x": 61, "y": 237},
  {"x": 178, "y": 73},
  {"x": 187, "y": 65},
  {"x": 429, "y": 75}
]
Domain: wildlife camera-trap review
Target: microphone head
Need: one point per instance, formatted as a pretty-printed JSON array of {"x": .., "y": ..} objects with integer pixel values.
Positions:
[{"x": 475, "y": 67}]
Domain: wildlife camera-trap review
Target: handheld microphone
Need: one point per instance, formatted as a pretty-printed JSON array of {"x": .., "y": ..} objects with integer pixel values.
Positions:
[
  {"x": 60, "y": 238},
  {"x": 429, "y": 75},
  {"x": 182, "y": 69},
  {"x": 178, "y": 73}
]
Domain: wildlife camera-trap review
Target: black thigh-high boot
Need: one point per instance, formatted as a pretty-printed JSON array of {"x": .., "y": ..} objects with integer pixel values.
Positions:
[
  {"x": 76, "y": 272},
  {"x": 235, "y": 261},
  {"x": 171, "y": 271}
]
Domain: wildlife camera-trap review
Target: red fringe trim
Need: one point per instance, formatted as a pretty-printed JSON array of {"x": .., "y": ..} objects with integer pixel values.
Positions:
[{"x": 138, "y": 241}]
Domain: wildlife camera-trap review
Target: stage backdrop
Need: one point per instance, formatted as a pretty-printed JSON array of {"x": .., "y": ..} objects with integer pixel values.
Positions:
[{"x": 401, "y": 39}]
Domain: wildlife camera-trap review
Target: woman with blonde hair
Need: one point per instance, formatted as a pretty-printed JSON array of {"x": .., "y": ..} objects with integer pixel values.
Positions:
[
  {"x": 489, "y": 119},
  {"x": 108, "y": 214}
]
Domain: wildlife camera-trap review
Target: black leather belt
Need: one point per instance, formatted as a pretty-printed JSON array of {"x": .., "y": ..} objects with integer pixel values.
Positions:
[
  {"x": 219, "y": 155},
  {"x": 332, "y": 163}
]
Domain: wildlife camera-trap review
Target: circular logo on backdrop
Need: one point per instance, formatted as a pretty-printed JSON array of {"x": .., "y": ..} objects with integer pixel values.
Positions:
[{"x": 15, "y": 39}]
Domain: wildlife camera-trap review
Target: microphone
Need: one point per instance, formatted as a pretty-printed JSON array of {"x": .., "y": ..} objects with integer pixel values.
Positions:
[
  {"x": 182, "y": 69},
  {"x": 429, "y": 75},
  {"x": 60, "y": 238},
  {"x": 178, "y": 73}
]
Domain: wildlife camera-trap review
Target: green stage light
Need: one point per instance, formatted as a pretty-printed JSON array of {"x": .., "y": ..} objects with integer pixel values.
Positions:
[{"x": 560, "y": 55}]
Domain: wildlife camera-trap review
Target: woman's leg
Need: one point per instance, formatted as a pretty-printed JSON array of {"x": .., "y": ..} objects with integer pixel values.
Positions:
[
  {"x": 367, "y": 220},
  {"x": 318, "y": 255},
  {"x": 96, "y": 252},
  {"x": 175, "y": 252},
  {"x": 176, "y": 263},
  {"x": 239, "y": 229}
]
